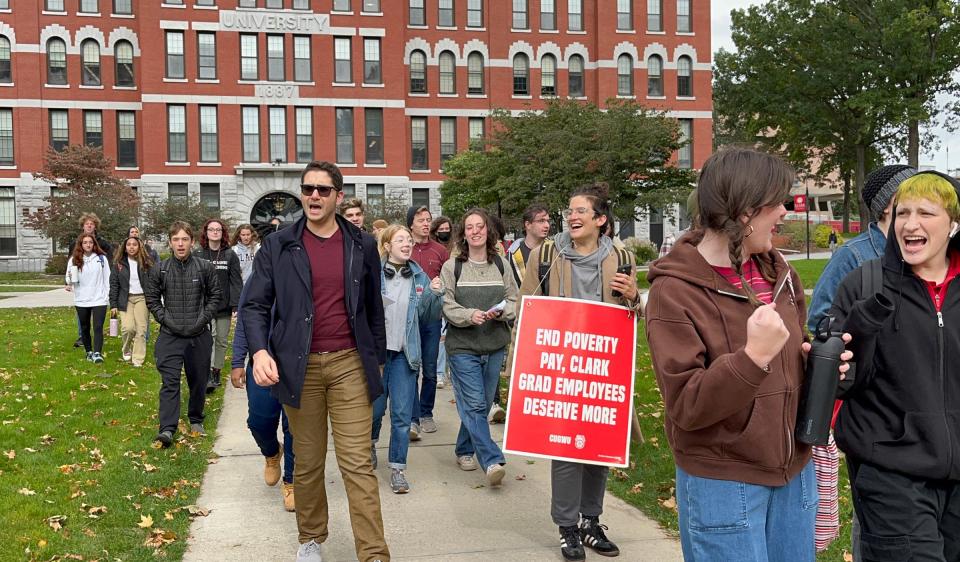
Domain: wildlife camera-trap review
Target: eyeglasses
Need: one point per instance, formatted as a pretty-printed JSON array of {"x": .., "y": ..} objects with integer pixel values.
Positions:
[
  {"x": 542, "y": 221},
  {"x": 566, "y": 213},
  {"x": 307, "y": 189},
  {"x": 214, "y": 230}
]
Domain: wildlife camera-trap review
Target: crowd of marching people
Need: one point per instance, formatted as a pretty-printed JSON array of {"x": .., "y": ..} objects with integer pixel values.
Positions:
[{"x": 340, "y": 326}]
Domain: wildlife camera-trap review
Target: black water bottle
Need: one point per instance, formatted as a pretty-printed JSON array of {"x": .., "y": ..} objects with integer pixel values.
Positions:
[{"x": 819, "y": 390}]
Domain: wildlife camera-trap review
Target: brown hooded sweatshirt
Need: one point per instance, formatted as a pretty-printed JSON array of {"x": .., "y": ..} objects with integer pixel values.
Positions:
[{"x": 727, "y": 418}]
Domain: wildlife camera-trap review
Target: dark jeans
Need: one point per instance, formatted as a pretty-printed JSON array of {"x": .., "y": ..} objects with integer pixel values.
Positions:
[
  {"x": 904, "y": 517},
  {"x": 264, "y": 413},
  {"x": 429, "y": 348},
  {"x": 97, "y": 314},
  {"x": 192, "y": 355}
]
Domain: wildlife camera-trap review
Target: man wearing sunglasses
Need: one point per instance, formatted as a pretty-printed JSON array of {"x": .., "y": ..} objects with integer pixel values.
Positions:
[{"x": 322, "y": 351}]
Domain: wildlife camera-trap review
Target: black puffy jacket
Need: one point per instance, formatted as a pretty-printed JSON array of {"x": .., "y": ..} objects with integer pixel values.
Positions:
[{"x": 191, "y": 295}]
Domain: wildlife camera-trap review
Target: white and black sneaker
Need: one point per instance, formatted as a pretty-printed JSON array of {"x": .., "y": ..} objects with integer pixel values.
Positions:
[
  {"x": 570, "y": 546},
  {"x": 592, "y": 535}
]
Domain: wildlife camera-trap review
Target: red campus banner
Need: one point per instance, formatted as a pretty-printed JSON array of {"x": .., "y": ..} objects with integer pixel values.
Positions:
[{"x": 571, "y": 394}]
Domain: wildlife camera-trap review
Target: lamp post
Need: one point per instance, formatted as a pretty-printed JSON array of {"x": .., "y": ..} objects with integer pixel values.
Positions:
[{"x": 807, "y": 185}]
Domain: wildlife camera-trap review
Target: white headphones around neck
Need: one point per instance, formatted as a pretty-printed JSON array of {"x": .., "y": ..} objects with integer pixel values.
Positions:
[{"x": 954, "y": 228}]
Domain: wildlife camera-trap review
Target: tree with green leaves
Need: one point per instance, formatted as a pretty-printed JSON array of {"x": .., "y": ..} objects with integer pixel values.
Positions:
[
  {"x": 159, "y": 213},
  {"x": 543, "y": 155}
]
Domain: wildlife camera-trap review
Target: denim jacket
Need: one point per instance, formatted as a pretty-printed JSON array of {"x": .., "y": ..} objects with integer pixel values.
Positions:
[
  {"x": 865, "y": 247},
  {"x": 425, "y": 306}
]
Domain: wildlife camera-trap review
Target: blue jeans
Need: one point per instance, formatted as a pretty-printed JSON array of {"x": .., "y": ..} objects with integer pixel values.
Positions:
[
  {"x": 475, "y": 379},
  {"x": 264, "y": 413},
  {"x": 728, "y": 520},
  {"x": 400, "y": 384},
  {"x": 429, "y": 348}
]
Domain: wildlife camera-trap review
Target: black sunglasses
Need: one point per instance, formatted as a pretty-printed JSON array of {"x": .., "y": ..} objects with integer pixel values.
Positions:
[{"x": 307, "y": 189}]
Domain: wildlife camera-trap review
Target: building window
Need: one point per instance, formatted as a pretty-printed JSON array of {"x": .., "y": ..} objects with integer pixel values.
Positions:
[
  {"x": 56, "y": 61},
  {"x": 418, "y": 72},
  {"x": 93, "y": 128},
  {"x": 206, "y": 3},
  {"x": 54, "y": 6},
  {"x": 301, "y": 58},
  {"x": 278, "y": 134},
  {"x": 418, "y": 15},
  {"x": 420, "y": 197},
  {"x": 301, "y": 4},
  {"x": 446, "y": 16},
  {"x": 207, "y": 56},
  {"x": 341, "y": 5},
  {"x": 371, "y": 6},
  {"x": 625, "y": 14},
  {"x": 448, "y": 73},
  {"x": 548, "y": 76},
  {"x": 344, "y": 126},
  {"x": 90, "y": 63},
  {"x": 520, "y": 20},
  {"x": 349, "y": 190},
  {"x": 126, "y": 139},
  {"x": 575, "y": 75},
  {"x": 521, "y": 71},
  {"x": 683, "y": 16},
  {"x": 275, "y": 58},
  {"x": 654, "y": 15},
  {"x": 448, "y": 138},
  {"x": 249, "y": 57},
  {"x": 210, "y": 196},
  {"x": 8, "y": 222},
  {"x": 177, "y": 192},
  {"x": 123, "y": 7},
  {"x": 371, "y": 61},
  {"x": 475, "y": 73},
  {"x": 684, "y": 77},
  {"x": 341, "y": 60},
  {"x": 175, "y": 68},
  {"x": 6, "y": 137},
  {"x": 275, "y": 4},
  {"x": 685, "y": 153},
  {"x": 374, "y": 140},
  {"x": 575, "y": 15},
  {"x": 476, "y": 131},
  {"x": 6, "y": 71},
  {"x": 123, "y": 57},
  {"x": 548, "y": 14},
  {"x": 89, "y": 7},
  {"x": 655, "y": 76},
  {"x": 625, "y": 75},
  {"x": 209, "y": 145},
  {"x": 418, "y": 143},
  {"x": 59, "y": 129},
  {"x": 250, "y": 125},
  {"x": 177, "y": 133},
  {"x": 375, "y": 199},
  {"x": 474, "y": 13},
  {"x": 304, "y": 121}
]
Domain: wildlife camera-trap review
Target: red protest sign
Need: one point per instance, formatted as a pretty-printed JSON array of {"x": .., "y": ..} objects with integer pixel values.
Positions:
[
  {"x": 800, "y": 203},
  {"x": 571, "y": 394}
]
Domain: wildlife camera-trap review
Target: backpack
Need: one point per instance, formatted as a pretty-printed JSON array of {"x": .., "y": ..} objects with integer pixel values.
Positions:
[
  {"x": 548, "y": 253},
  {"x": 458, "y": 268},
  {"x": 871, "y": 278}
]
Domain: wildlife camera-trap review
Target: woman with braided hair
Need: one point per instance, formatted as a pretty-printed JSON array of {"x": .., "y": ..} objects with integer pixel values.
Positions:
[{"x": 725, "y": 323}]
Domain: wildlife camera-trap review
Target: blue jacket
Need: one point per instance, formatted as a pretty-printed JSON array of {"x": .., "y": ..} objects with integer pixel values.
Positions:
[
  {"x": 278, "y": 314},
  {"x": 865, "y": 247},
  {"x": 424, "y": 307}
]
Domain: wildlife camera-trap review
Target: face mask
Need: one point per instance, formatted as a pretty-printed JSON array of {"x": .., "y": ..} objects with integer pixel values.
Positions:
[{"x": 443, "y": 236}]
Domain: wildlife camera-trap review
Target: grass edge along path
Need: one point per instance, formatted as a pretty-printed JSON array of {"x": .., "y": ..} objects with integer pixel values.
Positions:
[{"x": 79, "y": 477}]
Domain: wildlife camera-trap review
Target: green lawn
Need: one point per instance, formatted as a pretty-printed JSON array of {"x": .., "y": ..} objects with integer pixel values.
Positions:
[
  {"x": 809, "y": 271},
  {"x": 78, "y": 473},
  {"x": 26, "y": 288},
  {"x": 30, "y": 279}
]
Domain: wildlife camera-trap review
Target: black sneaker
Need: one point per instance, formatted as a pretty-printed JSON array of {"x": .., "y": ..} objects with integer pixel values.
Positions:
[
  {"x": 213, "y": 381},
  {"x": 570, "y": 546},
  {"x": 592, "y": 534},
  {"x": 165, "y": 438},
  {"x": 78, "y": 343}
]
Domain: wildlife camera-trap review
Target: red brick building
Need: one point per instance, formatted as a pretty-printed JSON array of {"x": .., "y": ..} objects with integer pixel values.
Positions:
[{"x": 226, "y": 99}]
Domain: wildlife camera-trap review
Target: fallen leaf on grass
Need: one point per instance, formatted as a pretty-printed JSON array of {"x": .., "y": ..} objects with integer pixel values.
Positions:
[
  {"x": 847, "y": 557},
  {"x": 159, "y": 538},
  {"x": 620, "y": 474},
  {"x": 636, "y": 488},
  {"x": 146, "y": 521},
  {"x": 669, "y": 503},
  {"x": 56, "y": 522},
  {"x": 77, "y": 494},
  {"x": 29, "y": 450},
  {"x": 68, "y": 468},
  {"x": 47, "y": 439},
  {"x": 26, "y": 492},
  {"x": 197, "y": 511},
  {"x": 214, "y": 460},
  {"x": 147, "y": 467},
  {"x": 94, "y": 512},
  {"x": 168, "y": 516},
  {"x": 11, "y": 454}
]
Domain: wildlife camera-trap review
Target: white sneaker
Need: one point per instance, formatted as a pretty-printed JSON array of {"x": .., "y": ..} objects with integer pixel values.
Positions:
[
  {"x": 466, "y": 462},
  {"x": 497, "y": 414},
  {"x": 127, "y": 357},
  {"x": 441, "y": 383},
  {"x": 309, "y": 552},
  {"x": 414, "y": 432},
  {"x": 495, "y": 474}
]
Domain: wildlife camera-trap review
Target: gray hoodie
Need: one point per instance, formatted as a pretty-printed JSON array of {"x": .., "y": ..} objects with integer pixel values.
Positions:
[{"x": 586, "y": 269}]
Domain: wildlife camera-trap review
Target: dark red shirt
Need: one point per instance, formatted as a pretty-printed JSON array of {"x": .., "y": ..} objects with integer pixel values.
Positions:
[
  {"x": 938, "y": 292},
  {"x": 331, "y": 327},
  {"x": 430, "y": 256}
]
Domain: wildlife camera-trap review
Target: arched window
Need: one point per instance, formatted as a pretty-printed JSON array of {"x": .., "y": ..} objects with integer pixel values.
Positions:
[
  {"x": 448, "y": 73},
  {"x": 575, "y": 76},
  {"x": 123, "y": 56},
  {"x": 521, "y": 72},
  {"x": 6, "y": 73},
  {"x": 625, "y": 75},
  {"x": 684, "y": 77},
  {"x": 56, "y": 61},
  {"x": 418, "y": 72},
  {"x": 90, "y": 63},
  {"x": 548, "y": 75},
  {"x": 655, "y": 76},
  {"x": 475, "y": 73}
]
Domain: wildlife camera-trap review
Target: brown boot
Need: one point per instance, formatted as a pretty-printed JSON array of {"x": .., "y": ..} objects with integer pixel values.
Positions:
[
  {"x": 288, "y": 502},
  {"x": 271, "y": 469}
]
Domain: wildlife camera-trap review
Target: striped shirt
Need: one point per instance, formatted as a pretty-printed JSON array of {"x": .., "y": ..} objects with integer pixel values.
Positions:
[{"x": 761, "y": 287}]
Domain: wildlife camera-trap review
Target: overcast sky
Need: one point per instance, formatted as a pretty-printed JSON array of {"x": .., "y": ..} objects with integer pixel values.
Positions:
[{"x": 721, "y": 39}]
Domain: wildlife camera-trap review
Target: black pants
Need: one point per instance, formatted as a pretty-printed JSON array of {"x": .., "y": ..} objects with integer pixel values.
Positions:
[
  {"x": 97, "y": 314},
  {"x": 192, "y": 355},
  {"x": 903, "y": 518}
]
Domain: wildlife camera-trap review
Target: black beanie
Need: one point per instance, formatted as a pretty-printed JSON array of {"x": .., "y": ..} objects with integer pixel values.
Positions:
[
  {"x": 411, "y": 212},
  {"x": 881, "y": 184}
]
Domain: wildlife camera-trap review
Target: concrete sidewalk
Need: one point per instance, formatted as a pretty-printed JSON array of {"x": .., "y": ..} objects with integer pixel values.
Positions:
[
  {"x": 56, "y": 296},
  {"x": 449, "y": 514}
]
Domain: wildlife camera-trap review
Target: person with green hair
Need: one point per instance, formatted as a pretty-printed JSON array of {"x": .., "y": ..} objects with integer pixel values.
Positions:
[{"x": 900, "y": 420}]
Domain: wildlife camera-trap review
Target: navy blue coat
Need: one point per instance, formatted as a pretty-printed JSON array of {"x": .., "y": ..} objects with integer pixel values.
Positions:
[{"x": 282, "y": 276}]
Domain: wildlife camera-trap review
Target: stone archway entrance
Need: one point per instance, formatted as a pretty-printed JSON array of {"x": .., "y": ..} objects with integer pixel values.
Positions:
[{"x": 278, "y": 205}]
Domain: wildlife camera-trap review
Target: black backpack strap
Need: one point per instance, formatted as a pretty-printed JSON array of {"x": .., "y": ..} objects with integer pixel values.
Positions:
[
  {"x": 871, "y": 278},
  {"x": 457, "y": 270},
  {"x": 547, "y": 251},
  {"x": 499, "y": 263}
]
